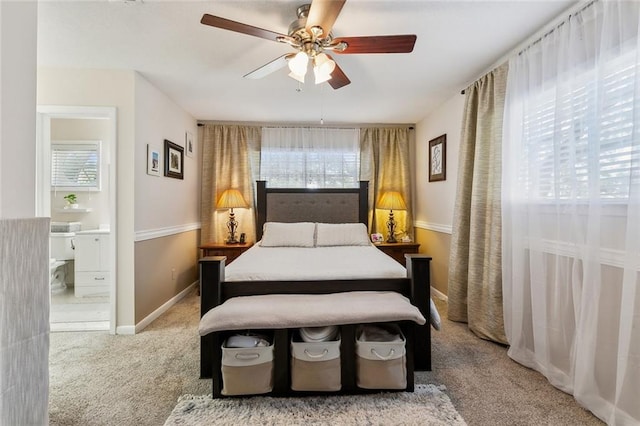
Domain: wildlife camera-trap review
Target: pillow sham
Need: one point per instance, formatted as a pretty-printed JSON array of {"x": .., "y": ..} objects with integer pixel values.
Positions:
[
  {"x": 280, "y": 234},
  {"x": 342, "y": 234}
]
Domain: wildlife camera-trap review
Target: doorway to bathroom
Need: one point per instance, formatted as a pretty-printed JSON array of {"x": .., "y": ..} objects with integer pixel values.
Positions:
[{"x": 76, "y": 188}]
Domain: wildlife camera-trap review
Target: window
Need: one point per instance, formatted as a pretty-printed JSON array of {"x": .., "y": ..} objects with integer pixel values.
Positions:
[
  {"x": 580, "y": 135},
  {"x": 75, "y": 165},
  {"x": 310, "y": 157}
]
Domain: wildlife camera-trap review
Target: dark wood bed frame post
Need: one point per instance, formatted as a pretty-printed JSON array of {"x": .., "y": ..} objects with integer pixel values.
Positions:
[
  {"x": 261, "y": 207},
  {"x": 363, "y": 201},
  {"x": 211, "y": 275},
  {"x": 418, "y": 270}
]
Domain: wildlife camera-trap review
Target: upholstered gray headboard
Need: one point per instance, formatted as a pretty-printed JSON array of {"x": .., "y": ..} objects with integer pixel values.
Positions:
[{"x": 326, "y": 205}]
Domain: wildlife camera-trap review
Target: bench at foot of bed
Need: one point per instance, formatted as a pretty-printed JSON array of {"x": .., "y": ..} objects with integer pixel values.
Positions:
[{"x": 345, "y": 365}]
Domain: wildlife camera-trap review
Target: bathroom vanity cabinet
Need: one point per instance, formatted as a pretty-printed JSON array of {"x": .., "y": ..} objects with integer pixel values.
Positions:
[{"x": 92, "y": 264}]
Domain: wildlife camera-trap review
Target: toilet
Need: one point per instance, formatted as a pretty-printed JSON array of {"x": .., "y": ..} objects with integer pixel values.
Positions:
[{"x": 62, "y": 252}]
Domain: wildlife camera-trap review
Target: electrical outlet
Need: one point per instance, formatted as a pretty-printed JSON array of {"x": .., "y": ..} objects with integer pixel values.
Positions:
[{"x": 173, "y": 273}]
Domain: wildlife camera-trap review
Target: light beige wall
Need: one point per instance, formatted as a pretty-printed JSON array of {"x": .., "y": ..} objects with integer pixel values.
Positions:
[
  {"x": 434, "y": 201},
  {"x": 164, "y": 267},
  {"x": 166, "y": 209},
  {"x": 162, "y": 201},
  {"x": 437, "y": 245},
  {"x": 114, "y": 88}
]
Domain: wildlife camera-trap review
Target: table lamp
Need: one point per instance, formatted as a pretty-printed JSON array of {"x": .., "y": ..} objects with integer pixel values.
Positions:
[
  {"x": 391, "y": 200},
  {"x": 230, "y": 199}
]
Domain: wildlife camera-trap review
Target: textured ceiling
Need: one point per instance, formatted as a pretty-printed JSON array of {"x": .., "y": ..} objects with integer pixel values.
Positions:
[{"x": 201, "y": 67}]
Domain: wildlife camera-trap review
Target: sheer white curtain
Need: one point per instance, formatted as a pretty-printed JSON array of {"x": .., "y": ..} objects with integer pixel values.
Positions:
[
  {"x": 571, "y": 209},
  {"x": 303, "y": 157}
]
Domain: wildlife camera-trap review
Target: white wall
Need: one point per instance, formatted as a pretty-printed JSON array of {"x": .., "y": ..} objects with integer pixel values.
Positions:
[
  {"x": 24, "y": 337},
  {"x": 18, "y": 38},
  {"x": 434, "y": 201},
  {"x": 162, "y": 202}
]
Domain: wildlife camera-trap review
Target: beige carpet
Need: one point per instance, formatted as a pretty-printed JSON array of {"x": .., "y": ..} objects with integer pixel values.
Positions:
[
  {"x": 427, "y": 405},
  {"x": 98, "y": 379}
]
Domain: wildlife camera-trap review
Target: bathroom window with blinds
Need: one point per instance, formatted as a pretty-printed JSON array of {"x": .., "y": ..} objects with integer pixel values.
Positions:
[
  {"x": 580, "y": 135},
  {"x": 310, "y": 157},
  {"x": 75, "y": 165}
]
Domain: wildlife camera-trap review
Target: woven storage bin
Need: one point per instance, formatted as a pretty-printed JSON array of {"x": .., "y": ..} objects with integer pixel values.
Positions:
[
  {"x": 247, "y": 371},
  {"x": 381, "y": 364},
  {"x": 315, "y": 366}
]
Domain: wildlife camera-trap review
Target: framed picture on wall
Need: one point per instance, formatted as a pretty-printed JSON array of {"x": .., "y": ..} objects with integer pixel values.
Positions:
[
  {"x": 173, "y": 160},
  {"x": 153, "y": 161},
  {"x": 189, "y": 144},
  {"x": 438, "y": 158}
]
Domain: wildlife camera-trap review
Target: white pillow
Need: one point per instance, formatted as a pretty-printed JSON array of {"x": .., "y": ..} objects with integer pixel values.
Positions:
[
  {"x": 279, "y": 234},
  {"x": 342, "y": 234}
]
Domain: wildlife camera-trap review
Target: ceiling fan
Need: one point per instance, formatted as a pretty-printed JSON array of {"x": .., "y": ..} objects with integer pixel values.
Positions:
[{"x": 311, "y": 36}]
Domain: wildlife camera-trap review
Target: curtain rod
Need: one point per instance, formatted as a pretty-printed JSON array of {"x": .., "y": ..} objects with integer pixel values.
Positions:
[
  {"x": 559, "y": 21},
  {"x": 326, "y": 127}
]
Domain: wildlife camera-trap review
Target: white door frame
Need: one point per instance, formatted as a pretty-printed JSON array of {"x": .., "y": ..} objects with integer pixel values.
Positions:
[{"x": 45, "y": 114}]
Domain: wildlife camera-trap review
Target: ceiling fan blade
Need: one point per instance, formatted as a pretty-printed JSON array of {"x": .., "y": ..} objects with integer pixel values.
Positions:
[
  {"x": 323, "y": 14},
  {"x": 377, "y": 44},
  {"x": 270, "y": 67},
  {"x": 227, "y": 24},
  {"x": 338, "y": 77}
]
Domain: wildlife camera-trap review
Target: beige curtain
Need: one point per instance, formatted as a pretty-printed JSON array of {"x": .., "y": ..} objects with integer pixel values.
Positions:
[
  {"x": 475, "y": 262},
  {"x": 384, "y": 162},
  {"x": 228, "y": 151}
]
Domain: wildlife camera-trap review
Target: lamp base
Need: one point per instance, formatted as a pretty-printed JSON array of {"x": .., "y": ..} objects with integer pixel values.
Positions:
[{"x": 391, "y": 229}]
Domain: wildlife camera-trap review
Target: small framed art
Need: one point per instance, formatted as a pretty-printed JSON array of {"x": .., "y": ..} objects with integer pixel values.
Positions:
[
  {"x": 189, "y": 144},
  {"x": 153, "y": 161},
  {"x": 438, "y": 158},
  {"x": 173, "y": 160}
]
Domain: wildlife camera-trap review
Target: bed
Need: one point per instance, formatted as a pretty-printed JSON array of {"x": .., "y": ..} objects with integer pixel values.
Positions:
[{"x": 321, "y": 208}]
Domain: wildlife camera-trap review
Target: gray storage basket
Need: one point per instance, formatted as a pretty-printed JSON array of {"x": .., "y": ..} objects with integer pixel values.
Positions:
[
  {"x": 381, "y": 364},
  {"x": 315, "y": 366},
  {"x": 247, "y": 371}
]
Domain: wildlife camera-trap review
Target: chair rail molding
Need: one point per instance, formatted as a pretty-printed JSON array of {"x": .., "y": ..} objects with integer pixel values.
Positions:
[
  {"x": 150, "y": 234},
  {"x": 437, "y": 227}
]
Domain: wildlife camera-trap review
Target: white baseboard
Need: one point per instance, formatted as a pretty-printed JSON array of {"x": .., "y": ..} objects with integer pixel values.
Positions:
[
  {"x": 439, "y": 295},
  {"x": 127, "y": 330},
  {"x": 79, "y": 326},
  {"x": 164, "y": 308}
]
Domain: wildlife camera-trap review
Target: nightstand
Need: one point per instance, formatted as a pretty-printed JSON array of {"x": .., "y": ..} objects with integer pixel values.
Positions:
[
  {"x": 231, "y": 251},
  {"x": 398, "y": 250}
]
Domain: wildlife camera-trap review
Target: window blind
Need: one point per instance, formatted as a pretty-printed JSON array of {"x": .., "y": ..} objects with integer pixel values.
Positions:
[
  {"x": 310, "y": 157},
  {"x": 75, "y": 166},
  {"x": 580, "y": 136}
]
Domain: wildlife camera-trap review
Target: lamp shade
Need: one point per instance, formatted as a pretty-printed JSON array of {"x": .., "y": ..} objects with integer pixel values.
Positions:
[
  {"x": 298, "y": 65},
  {"x": 391, "y": 200},
  {"x": 323, "y": 67},
  {"x": 231, "y": 198}
]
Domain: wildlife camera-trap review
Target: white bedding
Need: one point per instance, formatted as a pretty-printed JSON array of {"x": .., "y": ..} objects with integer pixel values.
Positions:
[{"x": 313, "y": 263}]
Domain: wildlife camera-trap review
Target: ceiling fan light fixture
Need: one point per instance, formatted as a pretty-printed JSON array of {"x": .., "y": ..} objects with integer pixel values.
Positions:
[
  {"x": 323, "y": 67},
  {"x": 298, "y": 77},
  {"x": 298, "y": 65},
  {"x": 320, "y": 76}
]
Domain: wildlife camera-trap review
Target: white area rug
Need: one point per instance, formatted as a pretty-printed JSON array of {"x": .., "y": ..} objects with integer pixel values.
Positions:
[{"x": 428, "y": 405}]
